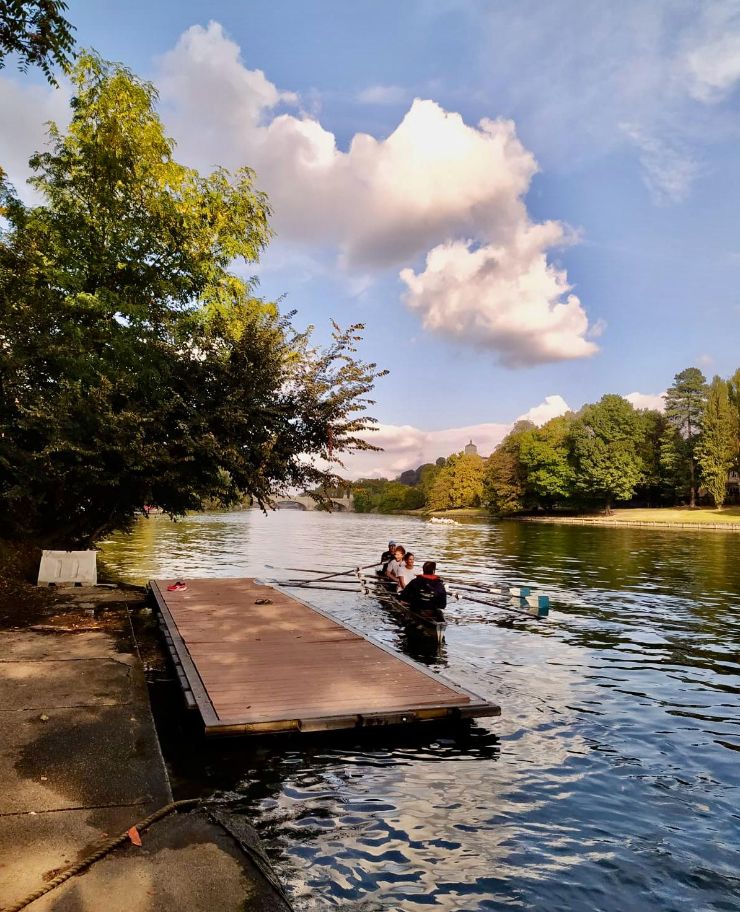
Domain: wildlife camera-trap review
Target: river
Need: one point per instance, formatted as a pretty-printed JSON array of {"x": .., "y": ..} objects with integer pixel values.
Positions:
[{"x": 611, "y": 780}]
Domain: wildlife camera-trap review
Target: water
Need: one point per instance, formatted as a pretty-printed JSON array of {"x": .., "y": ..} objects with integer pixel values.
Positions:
[{"x": 612, "y": 779}]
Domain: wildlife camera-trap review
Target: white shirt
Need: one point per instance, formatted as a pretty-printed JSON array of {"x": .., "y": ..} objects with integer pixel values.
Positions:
[
  {"x": 394, "y": 568},
  {"x": 406, "y": 574}
]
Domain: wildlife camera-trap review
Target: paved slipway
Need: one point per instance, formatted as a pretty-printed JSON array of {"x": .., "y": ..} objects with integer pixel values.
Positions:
[{"x": 80, "y": 762}]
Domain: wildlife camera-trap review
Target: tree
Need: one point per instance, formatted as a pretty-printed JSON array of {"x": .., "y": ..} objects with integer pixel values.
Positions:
[
  {"x": 505, "y": 479},
  {"x": 459, "y": 483},
  {"x": 135, "y": 367},
  {"x": 654, "y": 484},
  {"x": 717, "y": 447},
  {"x": 36, "y": 31},
  {"x": 684, "y": 409},
  {"x": 545, "y": 456},
  {"x": 608, "y": 463},
  {"x": 733, "y": 388}
]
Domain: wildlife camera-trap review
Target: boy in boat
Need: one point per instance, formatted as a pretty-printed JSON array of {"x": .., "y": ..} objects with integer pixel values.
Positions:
[
  {"x": 394, "y": 567},
  {"x": 426, "y": 594},
  {"x": 407, "y": 571}
]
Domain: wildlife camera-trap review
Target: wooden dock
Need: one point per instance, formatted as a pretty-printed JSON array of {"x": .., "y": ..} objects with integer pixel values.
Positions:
[{"x": 254, "y": 667}]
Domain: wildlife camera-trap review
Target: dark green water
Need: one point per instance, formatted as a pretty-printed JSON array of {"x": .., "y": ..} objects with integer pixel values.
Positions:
[{"x": 612, "y": 779}]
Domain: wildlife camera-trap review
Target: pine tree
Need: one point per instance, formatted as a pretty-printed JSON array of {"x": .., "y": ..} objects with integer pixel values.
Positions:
[
  {"x": 684, "y": 408},
  {"x": 717, "y": 447}
]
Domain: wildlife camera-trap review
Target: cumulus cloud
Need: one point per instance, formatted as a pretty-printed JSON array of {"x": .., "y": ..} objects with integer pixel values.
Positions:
[
  {"x": 552, "y": 407},
  {"x": 508, "y": 298},
  {"x": 647, "y": 400},
  {"x": 407, "y": 447},
  {"x": 434, "y": 186}
]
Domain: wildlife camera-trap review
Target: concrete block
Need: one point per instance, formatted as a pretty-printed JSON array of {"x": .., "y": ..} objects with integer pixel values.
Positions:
[{"x": 68, "y": 568}]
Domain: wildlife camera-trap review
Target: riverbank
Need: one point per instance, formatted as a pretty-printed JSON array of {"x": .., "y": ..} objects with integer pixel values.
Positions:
[
  {"x": 703, "y": 518},
  {"x": 81, "y": 762}
]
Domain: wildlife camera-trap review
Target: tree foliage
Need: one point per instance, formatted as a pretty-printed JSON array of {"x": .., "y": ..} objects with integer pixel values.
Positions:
[
  {"x": 458, "y": 484},
  {"x": 546, "y": 461},
  {"x": 684, "y": 409},
  {"x": 135, "y": 366},
  {"x": 717, "y": 448},
  {"x": 505, "y": 489},
  {"x": 38, "y": 33},
  {"x": 608, "y": 463}
]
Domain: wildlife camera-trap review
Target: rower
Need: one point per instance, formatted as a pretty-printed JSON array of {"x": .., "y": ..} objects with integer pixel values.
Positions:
[
  {"x": 426, "y": 594},
  {"x": 394, "y": 567},
  {"x": 407, "y": 571},
  {"x": 387, "y": 557}
]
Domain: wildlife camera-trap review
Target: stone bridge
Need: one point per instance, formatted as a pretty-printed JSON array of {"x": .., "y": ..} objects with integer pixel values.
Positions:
[{"x": 345, "y": 504}]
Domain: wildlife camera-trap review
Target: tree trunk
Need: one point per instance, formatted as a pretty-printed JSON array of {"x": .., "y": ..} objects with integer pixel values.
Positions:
[{"x": 692, "y": 476}]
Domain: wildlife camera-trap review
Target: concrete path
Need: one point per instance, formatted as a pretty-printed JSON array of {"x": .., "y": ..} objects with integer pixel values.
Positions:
[{"x": 80, "y": 762}]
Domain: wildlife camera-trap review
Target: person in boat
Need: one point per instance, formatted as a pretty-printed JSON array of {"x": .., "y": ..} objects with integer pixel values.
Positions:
[
  {"x": 387, "y": 557},
  {"x": 394, "y": 567},
  {"x": 426, "y": 594},
  {"x": 407, "y": 571}
]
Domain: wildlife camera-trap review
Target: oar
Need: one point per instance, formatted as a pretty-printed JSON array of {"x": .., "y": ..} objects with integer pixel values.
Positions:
[
  {"x": 541, "y": 607},
  {"x": 286, "y": 584},
  {"x": 320, "y": 579}
]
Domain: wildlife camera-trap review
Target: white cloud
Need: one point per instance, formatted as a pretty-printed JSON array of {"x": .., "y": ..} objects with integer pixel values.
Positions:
[
  {"x": 647, "y": 400},
  {"x": 433, "y": 182},
  {"x": 669, "y": 168},
  {"x": 25, "y": 110},
  {"x": 407, "y": 447},
  {"x": 435, "y": 186},
  {"x": 507, "y": 298},
  {"x": 552, "y": 407},
  {"x": 712, "y": 59},
  {"x": 382, "y": 95}
]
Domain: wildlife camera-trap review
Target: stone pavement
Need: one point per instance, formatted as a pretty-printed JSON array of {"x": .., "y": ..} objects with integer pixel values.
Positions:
[{"x": 80, "y": 762}]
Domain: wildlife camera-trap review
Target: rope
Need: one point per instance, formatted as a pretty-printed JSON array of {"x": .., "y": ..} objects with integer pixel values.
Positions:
[{"x": 99, "y": 853}]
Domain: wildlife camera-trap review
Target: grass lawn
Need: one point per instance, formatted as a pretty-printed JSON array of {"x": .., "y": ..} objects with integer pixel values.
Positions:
[{"x": 678, "y": 515}]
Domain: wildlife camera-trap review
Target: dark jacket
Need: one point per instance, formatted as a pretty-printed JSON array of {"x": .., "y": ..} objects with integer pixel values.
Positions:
[
  {"x": 386, "y": 559},
  {"x": 425, "y": 593}
]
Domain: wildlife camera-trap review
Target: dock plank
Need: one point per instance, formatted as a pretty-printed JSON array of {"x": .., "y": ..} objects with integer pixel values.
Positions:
[{"x": 289, "y": 666}]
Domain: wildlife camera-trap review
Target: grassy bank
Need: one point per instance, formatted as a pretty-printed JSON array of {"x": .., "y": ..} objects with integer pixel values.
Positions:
[{"x": 665, "y": 516}]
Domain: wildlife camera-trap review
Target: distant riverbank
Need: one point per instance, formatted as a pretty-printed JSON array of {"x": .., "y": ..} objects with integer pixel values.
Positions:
[{"x": 727, "y": 519}]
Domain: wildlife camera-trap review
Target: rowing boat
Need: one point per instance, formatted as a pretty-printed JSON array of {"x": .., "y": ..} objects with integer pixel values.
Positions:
[{"x": 386, "y": 594}]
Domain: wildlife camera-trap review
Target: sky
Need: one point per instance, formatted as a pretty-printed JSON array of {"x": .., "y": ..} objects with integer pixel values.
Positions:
[{"x": 528, "y": 204}]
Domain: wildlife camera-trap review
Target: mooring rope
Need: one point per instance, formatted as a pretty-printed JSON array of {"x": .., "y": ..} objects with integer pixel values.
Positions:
[{"x": 99, "y": 853}]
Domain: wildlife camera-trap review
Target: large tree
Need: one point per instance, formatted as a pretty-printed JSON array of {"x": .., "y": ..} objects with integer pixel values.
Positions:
[
  {"x": 717, "y": 447},
  {"x": 459, "y": 483},
  {"x": 545, "y": 455},
  {"x": 37, "y": 32},
  {"x": 684, "y": 409},
  {"x": 136, "y": 367},
  {"x": 606, "y": 448},
  {"x": 505, "y": 482}
]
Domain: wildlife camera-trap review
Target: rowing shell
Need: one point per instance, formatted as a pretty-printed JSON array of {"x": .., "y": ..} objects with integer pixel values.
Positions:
[{"x": 388, "y": 595}]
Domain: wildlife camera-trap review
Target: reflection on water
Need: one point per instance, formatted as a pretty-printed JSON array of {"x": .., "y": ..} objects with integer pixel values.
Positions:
[{"x": 611, "y": 781}]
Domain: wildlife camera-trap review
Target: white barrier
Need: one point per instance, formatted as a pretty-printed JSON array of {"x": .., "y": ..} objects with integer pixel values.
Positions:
[{"x": 68, "y": 568}]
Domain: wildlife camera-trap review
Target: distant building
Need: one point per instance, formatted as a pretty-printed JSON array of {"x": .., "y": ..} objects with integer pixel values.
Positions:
[{"x": 471, "y": 449}]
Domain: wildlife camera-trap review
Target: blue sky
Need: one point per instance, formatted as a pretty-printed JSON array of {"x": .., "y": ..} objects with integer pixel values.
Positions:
[{"x": 607, "y": 266}]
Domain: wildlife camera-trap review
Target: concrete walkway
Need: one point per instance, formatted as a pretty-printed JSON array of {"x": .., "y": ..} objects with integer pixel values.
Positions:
[{"x": 80, "y": 762}]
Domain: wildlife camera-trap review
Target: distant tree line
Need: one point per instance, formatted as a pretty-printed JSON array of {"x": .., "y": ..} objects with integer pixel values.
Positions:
[{"x": 609, "y": 452}]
